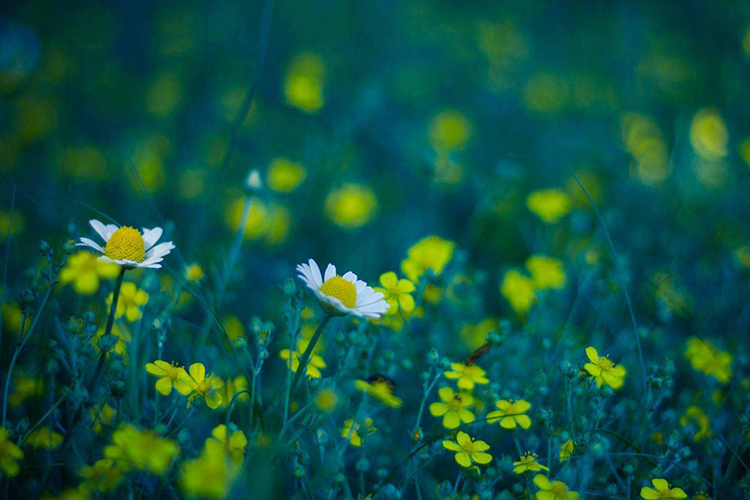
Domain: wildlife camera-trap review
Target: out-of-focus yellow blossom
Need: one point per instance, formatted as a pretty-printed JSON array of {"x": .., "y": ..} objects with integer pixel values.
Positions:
[
  {"x": 381, "y": 389},
  {"x": 566, "y": 450},
  {"x": 746, "y": 42},
  {"x": 396, "y": 292},
  {"x": 661, "y": 490},
  {"x": 518, "y": 290},
  {"x": 13, "y": 318},
  {"x": 85, "y": 271},
  {"x": 25, "y": 388},
  {"x": 19, "y": 223},
  {"x": 194, "y": 273},
  {"x": 696, "y": 415},
  {"x": 706, "y": 358},
  {"x": 356, "y": 432},
  {"x": 546, "y": 272},
  {"x": 279, "y": 222},
  {"x": 121, "y": 345},
  {"x": 45, "y": 438},
  {"x": 232, "y": 387},
  {"x": 475, "y": 335},
  {"x": 432, "y": 293},
  {"x": 528, "y": 463},
  {"x": 549, "y": 204},
  {"x": 141, "y": 449},
  {"x": 284, "y": 175},
  {"x": 326, "y": 400},
  {"x": 511, "y": 414},
  {"x": 315, "y": 363},
  {"x": 468, "y": 450},
  {"x": 431, "y": 252},
  {"x": 129, "y": 303},
  {"x": 546, "y": 93},
  {"x": 257, "y": 220},
  {"x": 552, "y": 490},
  {"x": 103, "y": 476},
  {"x": 450, "y": 130},
  {"x": 35, "y": 117},
  {"x": 209, "y": 476},
  {"x": 83, "y": 163},
  {"x": 603, "y": 370},
  {"x": 304, "y": 82},
  {"x": 452, "y": 408},
  {"x": 10, "y": 455},
  {"x": 708, "y": 135},
  {"x": 164, "y": 95},
  {"x": 467, "y": 375},
  {"x": 644, "y": 140},
  {"x": 234, "y": 449},
  {"x": 170, "y": 376},
  {"x": 101, "y": 416},
  {"x": 149, "y": 156},
  {"x": 204, "y": 387},
  {"x": 234, "y": 327},
  {"x": 745, "y": 151},
  {"x": 76, "y": 493},
  {"x": 668, "y": 294},
  {"x": 351, "y": 206}
]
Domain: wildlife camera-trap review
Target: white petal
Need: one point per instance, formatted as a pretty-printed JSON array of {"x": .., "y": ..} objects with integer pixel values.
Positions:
[
  {"x": 315, "y": 271},
  {"x": 160, "y": 250},
  {"x": 104, "y": 231},
  {"x": 151, "y": 236},
  {"x": 330, "y": 272},
  {"x": 152, "y": 260},
  {"x": 85, "y": 242},
  {"x": 378, "y": 307},
  {"x": 369, "y": 298},
  {"x": 360, "y": 286},
  {"x": 350, "y": 276},
  {"x": 332, "y": 301}
]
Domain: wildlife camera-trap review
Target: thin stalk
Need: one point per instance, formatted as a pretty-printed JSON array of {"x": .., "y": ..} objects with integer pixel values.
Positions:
[{"x": 306, "y": 356}]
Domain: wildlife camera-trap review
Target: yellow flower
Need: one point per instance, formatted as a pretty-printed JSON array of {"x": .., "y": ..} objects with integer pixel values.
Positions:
[
  {"x": 396, "y": 292},
  {"x": 380, "y": 388},
  {"x": 194, "y": 273},
  {"x": 232, "y": 387},
  {"x": 449, "y": 131},
  {"x": 662, "y": 490},
  {"x": 123, "y": 339},
  {"x": 351, "y": 206},
  {"x": 234, "y": 449},
  {"x": 25, "y": 388},
  {"x": 708, "y": 135},
  {"x": 467, "y": 375},
  {"x": 706, "y": 358},
  {"x": 603, "y": 370},
  {"x": 695, "y": 414},
  {"x": 103, "y": 476},
  {"x": 510, "y": 414},
  {"x": 284, "y": 175},
  {"x": 468, "y": 450},
  {"x": 204, "y": 387},
  {"x": 546, "y": 272},
  {"x": 130, "y": 301},
  {"x": 234, "y": 328},
  {"x": 519, "y": 291},
  {"x": 552, "y": 490},
  {"x": 170, "y": 375},
  {"x": 18, "y": 223},
  {"x": 315, "y": 363},
  {"x": 85, "y": 270},
  {"x": 141, "y": 449},
  {"x": 210, "y": 476},
  {"x": 326, "y": 400},
  {"x": 45, "y": 438},
  {"x": 566, "y": 450},
  {"x": 356, "y": 432},
  {"x": 431, "y": 252},
  {"x": 10, "y": 454},
  {"x": 528, "y": 463},
  {"x": 256, "y": 225},
  {"x": 101, "y": 416},
  {"x": 475, "y": 335},
  {"x": 549, "y": 204},
  {"x": 453, "y": 408},
  {"x": 304, "y": 82}
]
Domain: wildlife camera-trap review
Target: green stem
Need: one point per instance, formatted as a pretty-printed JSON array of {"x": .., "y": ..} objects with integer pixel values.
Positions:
[
  {"x": 115, "y": 297},
  {"x": 306, "y": 356}
]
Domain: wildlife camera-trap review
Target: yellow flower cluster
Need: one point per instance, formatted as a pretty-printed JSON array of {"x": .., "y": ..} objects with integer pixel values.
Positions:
[
  {"x": 85, "y": 271},
  {"x": 304, "y": 82},
  {"x": 194, "y": 383},
  {"x": 706, "y": 358},
  {"x": 351, "y": 206},
  {"x": 550, "y": 205},
  {"x": 546, "y": 273},
  {"x": 211, "y": 475},
  {"x": 130, "y": 302},
  {"x": 314, "y": 365},
  {"x": 355, "y": 432}
]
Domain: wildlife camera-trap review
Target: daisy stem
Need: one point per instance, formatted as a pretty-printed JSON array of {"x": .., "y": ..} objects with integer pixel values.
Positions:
[
  {"x": 115, "y": 297},
  {"x": 306, "y": 356}
]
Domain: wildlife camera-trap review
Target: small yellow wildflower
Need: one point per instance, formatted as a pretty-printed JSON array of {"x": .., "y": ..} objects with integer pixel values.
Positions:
[
  {"x": 708, "y": 135},
  {"x": 314, "y": 365},
  {"x": 209, "y": 476},
  {"x": 706, "y": 358},
  {"x": 518, "y": 290},
  {"x": 123, "y": 339},
  {"x": 232, "y": 387},
  {"x": 510, "y": 414},
  {"x": 546, "y": 272},
  {"x": 356, "y": 432},
  {"x": 170, "y": 375},
  {"x": 380, "y": 388},
  {"x": 101, "y": 416},
  {"x": 103, "y": 476},
  {"x": 566, "y": 450},
  {"x": 698, "y": 416},
  {"x": 475, "y": 335},
  {"x": 431, "y": 252},
  {"x": 449, "y": 131},
  {"x": 85, "y": 271},
  {"x": 396, "y": 292},
  {"x": 552, "y": 490},
  {"x": 234, "y": 449},
  {"x": 528, "y": 463},
  {"x": 467, "y": 375},
  {"x": 326, "y": 400},
  {"x": 10, "y": 455},
  {"x": 662, "y": 489},
  {"x": 351, "y": 206},
  {"x": 204, "y": 387},
  {"x": 549, "y": 204},
  {"x": 130, "y": 301},
  {"x": 284, "y": 175},
  {"x": 194, "y": 273},
  {"x": 141, "y": 449},
  {"x": 304, "y": 82},
  {"x": 453, "y": 408},
  {"x": 45, "y": 438},
  {"x": 468, "y": 450},
  {"x": 603, "y": 370},
  {"x": 25, "y": 388}
]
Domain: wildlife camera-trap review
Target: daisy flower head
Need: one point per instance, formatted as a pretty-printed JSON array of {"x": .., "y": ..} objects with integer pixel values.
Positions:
[
  {"x": 342, "y": 295},
  {"x": 128, "y": 247}
]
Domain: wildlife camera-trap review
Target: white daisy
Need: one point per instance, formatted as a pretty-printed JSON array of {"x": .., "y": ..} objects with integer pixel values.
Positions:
[
  {"x": 342, "y": 295},
  {"x": 127, "y": 247}
]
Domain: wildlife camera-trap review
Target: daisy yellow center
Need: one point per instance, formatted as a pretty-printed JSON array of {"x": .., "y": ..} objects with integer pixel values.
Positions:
[
  {"x": 339, "y": 288},
  {"x": 126, "y": 244}
]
